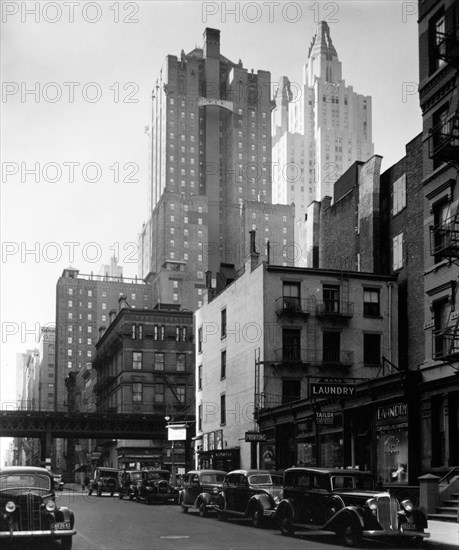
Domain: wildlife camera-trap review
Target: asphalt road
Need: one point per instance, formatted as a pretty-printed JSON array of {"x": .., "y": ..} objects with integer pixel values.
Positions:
[{"x": 107, "y": 523}]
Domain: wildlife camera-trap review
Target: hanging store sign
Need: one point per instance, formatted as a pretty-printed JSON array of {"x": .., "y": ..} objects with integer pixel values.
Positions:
[
  {"x": 340, "y": 391},
  {"x": 392, "y": 418},
  {"x": 252, "y": 437},
  {"x": 176, "y": 432},
  {"x": 325, "y": 418}
]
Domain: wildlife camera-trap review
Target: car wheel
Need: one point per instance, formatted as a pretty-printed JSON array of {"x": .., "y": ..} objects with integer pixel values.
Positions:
[
  {"x": 257, "y": 516},
  {"x": 66, "y": 544},
  {"x": 131, "y": 497},
  {"x": 203, "y": 510},
  {"x": 286, "y": 526},
  {"x": 184, "y": 508},
  {"x": 221, "y": 516},
  {"x": 352, "y": 535},
  {"x": 99, "y": 492},
  {"x": 415, "y": 542}
]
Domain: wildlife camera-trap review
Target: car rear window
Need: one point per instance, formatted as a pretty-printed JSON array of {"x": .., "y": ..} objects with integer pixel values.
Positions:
[
  {"x": 260, "y": 479},
  {"x": 212, "y": 478}
]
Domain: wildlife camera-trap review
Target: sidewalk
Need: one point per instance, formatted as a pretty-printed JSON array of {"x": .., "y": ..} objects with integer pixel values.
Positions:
[{"x": 443, "y": 532}]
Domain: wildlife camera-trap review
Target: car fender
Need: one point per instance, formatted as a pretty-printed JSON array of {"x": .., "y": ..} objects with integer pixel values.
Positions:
[
  {"x": 203, "y": 497},
  {"x": 349, "y": 514},
  {"x": 285, "y": 507},
  {"x": 263, "y": 499},
  {"x": 65, "y": 514},
  {"x": 220, "y": 502},
  {"x": 416, "y": 516}
]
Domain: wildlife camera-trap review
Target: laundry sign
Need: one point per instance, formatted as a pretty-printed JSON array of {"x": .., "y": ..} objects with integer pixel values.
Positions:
[{"x": 340, "y": 391}]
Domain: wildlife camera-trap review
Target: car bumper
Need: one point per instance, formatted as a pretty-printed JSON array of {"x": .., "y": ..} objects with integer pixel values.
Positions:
[
  {"x": 399, "y": 533},
  {"x": 46, "y": 533}
]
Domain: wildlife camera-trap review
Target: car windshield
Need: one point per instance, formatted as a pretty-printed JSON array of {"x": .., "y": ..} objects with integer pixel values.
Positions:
[
  {"x": 136, "y": 476},
  {"x": 25, "y": 481},
  {"x": 260, "y": 479},
  {"x": 107, "y": 473},
  {"x": 212, "y": 478},
  {"x": 364, "y": 483}
]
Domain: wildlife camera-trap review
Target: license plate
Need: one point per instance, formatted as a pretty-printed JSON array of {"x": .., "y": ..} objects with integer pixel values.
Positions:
[
  {"x": 409, "y": 527},
  {"x": 62, "y": 525}
]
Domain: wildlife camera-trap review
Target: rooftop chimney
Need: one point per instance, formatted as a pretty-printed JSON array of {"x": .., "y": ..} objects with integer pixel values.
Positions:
[
  {"x": 208, "y": 280},
  {"x": 253, "y": 256},
  {"x": 211, "y": 43},
  {"x": 102, "y": 330},
  {"x": 122, "y": 302},
  {"x": 112, "y": 314}
]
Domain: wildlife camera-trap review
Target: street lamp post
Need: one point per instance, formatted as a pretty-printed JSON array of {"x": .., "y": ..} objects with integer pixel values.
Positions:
[{"x": 173, "y": 476}]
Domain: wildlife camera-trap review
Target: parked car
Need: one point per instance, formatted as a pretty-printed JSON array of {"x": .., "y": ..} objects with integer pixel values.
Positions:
[
  {"x": 29, "y": 510},
  {"x": 252, "y": 494},
  {"x": 105, "y": 481},
  {"x": 200, "y": 490},
  {"x": 155, "y": 487},
  {"x": 344, "y": 502},
  {"x": 127, "y": 483},
  {"x": 58, "y": 483}
]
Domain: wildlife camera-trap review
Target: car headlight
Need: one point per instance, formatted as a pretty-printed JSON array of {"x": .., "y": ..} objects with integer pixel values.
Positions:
[
  {"x": 215, "y": 491},
  {"x": 407, "y": 505},
  {"x": 372, "y": 504},
  {"x": 10, "y": 507},
  {"x": 50, "y": 506},
  {"x": 277, "y": 500}
]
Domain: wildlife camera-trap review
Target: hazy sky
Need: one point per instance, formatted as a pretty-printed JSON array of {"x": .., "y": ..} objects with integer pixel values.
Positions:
[{"x": 77, "y": 83}]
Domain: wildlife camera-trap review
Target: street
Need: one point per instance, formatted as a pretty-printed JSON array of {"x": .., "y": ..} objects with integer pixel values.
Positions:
[{"x": 107, "y": 523}]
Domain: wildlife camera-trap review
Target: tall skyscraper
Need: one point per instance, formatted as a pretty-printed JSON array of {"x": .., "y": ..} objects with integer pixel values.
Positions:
[
  {"x": 319, "y": 129},
  {"x": 210, "y": 175}
]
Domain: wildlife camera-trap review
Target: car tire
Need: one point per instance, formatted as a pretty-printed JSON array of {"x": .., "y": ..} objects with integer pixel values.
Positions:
[
  {"x": 256, "y": 516},
  {"x": 352, "y": 535},
  {"x": 66, "y": 544},
  {"x": 99, "y": 492},
  {"x": 221, "y": 515},
  {"x": 184, "y": 508},
  {"x": 286, "y": 526},
  {"x": 203, "y": 510}
]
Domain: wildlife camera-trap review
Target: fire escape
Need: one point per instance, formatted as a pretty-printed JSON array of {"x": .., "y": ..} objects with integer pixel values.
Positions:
[{"x": 443, "y": 142}]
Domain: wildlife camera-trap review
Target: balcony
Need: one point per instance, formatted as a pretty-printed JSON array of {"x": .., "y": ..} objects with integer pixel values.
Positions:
[
  {"x": 266, "y": 400},
  {"x": 444, "y": 139},
  {"x": 103, "y": 383},
  {"x": 444, "y": 238},
  {"x": 335, "y": 310},
  {"x": 334, "y": 358},
  {"x": 289, "y": 306},
  {"x": 446, "y": 344},
  {"x": 448, "y": 49},
  {"x": 293, "y": 355}
]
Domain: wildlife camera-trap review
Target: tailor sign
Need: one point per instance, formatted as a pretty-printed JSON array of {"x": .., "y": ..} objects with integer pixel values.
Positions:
[{"x": 325, "y": 389}]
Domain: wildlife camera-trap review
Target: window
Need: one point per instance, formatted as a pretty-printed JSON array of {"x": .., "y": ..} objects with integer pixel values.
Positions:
[
  {"x": 69, "y": 364},
  {"x": 397, "y": 252},
  {"x": 104, "y": 305},
  {"x": 200, "y": 418},
  {"x": 291, "y": 344},
  {"x": 200, "y": 377},
  {"x": 155, "y": 332},
  {"x": 89, "y": 293},
  {"x": 69, "y": 340},
  {"x": 133, "y": 332},
  {"x": 159, "y": 393},
  {"x": 140, "y": 331},
  {"x": 180, "y": 393},
  {"x": 441, "y": 211},
  {"x": 331, "y": 296},
  {"x": 137, "y": 392},
  {"x": 89, "y": 316},
  {"x": 69, "y": 352},
  {"x": 162, "y": 332},
  {"x": 222, "y": 409},
  {"x": 137, "y": 360},
  {"x": 371, "y": 302},
  {"x": 442, "y": 341},
  {"x": 177, "y": 334},
  {"x": 69, "y": 315},
  {"x": 89, "y": 353},
  {"x": 70, "y": 291},
  {"x": 200, "y": 340},
  {"x": 372, "y": 349},
  {"x": 223, "y": 364},
  {"x": 184, "y": 334},
  {"x": 291, "y": 296},
  {"x": 291, "y": 390},
  {"x": 133, "y": 296},
  {"x": 89, "y": 305},
  {"x": 70, "y": 303},
  {"x": 399, "y": 195},
  {"x": 331, "y": 348},
  {"x": 159, "y": 361},
  {"x": 181, "y": 362},
  {"x": 437, "y": 30},
  {"x": 223, "y": 323}
]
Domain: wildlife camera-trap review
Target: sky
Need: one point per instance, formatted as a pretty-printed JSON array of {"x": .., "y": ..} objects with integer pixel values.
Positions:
[{"x": 76, "y": 101}]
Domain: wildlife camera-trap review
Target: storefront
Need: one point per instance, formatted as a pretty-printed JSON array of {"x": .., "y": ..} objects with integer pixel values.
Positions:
[
  {"x": 212, "y": 454},
  {"x": 368, "y": 430}
]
